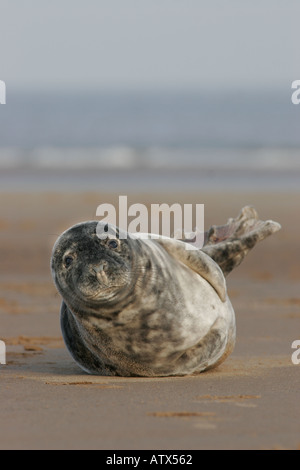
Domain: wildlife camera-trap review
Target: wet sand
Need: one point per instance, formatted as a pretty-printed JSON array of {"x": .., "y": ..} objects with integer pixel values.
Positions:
[{"x": 248, "y": 402}]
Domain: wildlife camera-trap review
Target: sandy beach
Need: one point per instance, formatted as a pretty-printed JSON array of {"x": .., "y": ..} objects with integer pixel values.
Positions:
[{"x": 248, "y": 402}]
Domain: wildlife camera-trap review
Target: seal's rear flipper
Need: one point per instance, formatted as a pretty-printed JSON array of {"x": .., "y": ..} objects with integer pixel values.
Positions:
[{"x": 228, "y": 244}]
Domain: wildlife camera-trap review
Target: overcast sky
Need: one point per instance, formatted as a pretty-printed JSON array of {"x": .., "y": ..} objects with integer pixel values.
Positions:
[{"x": 149, "y": 43}]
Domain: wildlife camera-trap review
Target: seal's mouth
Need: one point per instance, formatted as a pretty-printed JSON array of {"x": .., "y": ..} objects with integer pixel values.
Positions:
[
  {"x": 104, "y": 290},
  {"x": 82, "y": 296}
]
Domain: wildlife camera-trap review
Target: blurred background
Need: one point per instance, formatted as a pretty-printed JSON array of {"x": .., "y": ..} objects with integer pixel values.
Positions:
[{"x": 140, "y": 96}]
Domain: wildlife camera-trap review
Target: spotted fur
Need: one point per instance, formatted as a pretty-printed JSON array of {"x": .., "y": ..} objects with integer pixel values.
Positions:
[{"x": 148, "y": 307}]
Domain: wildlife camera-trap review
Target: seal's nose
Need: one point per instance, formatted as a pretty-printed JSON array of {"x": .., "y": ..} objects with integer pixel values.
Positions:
[
  {"x": 100, "y": 267},
  {"x": 99, "y": 270}
]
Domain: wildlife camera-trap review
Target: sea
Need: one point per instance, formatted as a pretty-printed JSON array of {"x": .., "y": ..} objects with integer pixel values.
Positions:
[{"x": 145, "y": 140}]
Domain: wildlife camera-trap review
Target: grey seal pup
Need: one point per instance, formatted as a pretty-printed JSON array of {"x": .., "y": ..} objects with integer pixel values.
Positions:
[{"x": 150, "y": 307}]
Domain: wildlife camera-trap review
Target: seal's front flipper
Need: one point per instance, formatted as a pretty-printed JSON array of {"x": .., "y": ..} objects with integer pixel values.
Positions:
[
  {"x": 198, "y": 262},
  {"x": 228, "y": 244}
]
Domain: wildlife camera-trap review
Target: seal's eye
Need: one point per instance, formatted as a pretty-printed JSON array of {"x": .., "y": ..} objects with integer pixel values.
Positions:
[
  {"x": 112, "y": 243},
  {"x": 68, "y": 261}
]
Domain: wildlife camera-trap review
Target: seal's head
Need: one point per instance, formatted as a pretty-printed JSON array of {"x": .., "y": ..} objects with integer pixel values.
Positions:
[{"x": 91, "y": 265}]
